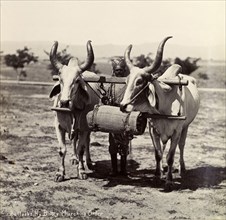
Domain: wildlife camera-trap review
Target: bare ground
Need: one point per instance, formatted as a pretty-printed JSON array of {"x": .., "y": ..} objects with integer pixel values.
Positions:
[{"x": 29, "y": 160}]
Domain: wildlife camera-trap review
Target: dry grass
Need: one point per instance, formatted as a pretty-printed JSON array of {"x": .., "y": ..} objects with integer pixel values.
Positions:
[{"x": 29, "y": 160}]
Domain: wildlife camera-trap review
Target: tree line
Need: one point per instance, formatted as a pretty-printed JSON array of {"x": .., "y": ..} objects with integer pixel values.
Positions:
[{"x": 23, "y": 57}]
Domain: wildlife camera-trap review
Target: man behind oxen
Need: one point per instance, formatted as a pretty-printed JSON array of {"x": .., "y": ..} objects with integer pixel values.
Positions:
[{"x": 118, "y": 143}]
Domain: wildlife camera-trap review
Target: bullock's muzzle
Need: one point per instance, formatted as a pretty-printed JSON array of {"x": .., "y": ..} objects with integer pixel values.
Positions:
[{"x": 64, "y": 103}]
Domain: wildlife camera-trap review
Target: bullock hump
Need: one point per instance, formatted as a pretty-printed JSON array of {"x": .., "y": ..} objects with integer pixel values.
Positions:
[{"x": 171, "y": 72}]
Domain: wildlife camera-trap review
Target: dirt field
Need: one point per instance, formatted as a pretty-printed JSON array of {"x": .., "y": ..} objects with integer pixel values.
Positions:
[{"x": 29, "y": 160}]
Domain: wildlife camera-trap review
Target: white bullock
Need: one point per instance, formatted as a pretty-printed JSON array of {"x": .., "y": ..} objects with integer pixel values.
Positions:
[
  {"x": 74, "y": 98},
  {"x": 146, "y": 92}
]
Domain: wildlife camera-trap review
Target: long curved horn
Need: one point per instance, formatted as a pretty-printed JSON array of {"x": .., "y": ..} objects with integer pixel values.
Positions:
[
  {"x": 158, "y": 58},
  {"x": 90, "y": 57},
  {"x": 127, "y": 56},
  {"x": 53, "y": 58}
]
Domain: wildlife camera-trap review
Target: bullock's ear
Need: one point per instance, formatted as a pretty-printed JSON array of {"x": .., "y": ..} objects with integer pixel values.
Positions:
[
  {"x": 80, "y": 98},
  {"x": 149, "y": 77},
  {"x": 85, "y": 95},
  {"x": 165, "y": 87},
  {"x": 84, "y": 91},
  {"x": 151, "y": 95},
  {"x": 55, "y": 90}
]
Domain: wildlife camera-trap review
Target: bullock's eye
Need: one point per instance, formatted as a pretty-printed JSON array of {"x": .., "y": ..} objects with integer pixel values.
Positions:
[{"x": 139, "y": 82}]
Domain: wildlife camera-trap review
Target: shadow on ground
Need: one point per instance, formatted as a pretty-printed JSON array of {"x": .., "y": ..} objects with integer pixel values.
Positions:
[{"x": 200, "y": 177}]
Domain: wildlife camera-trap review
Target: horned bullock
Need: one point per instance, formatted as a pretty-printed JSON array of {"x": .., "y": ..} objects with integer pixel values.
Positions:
[
  {"x": 146, "y": 92},
  {"x": 72, "y": 92}
]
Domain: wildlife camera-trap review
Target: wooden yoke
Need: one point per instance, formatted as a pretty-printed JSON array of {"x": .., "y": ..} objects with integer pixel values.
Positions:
[{"x": 122, "y": 80}]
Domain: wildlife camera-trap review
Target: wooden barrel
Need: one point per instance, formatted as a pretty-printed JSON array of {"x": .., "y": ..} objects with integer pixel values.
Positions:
[{"x": 107, "y": 118}]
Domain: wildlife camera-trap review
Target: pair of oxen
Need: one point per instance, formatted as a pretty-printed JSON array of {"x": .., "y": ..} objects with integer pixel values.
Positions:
[{"x": 145, "y": 91}]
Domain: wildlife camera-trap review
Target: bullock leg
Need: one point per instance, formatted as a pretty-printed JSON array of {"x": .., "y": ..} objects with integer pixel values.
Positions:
[
  {"x": 158, "y": 151},
  {"x": 62, "y": 152},
  {"x": 74, "y": 157},
  {"x": 82, "y": 144},
  {"x": 170, "y": 161},
  {"x": 80, "y": 123},
  {"x": 181, "y": 147},
  {"x": 89, "y": 162}
]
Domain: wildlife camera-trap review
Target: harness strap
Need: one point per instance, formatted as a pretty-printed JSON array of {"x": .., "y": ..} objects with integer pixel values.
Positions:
[
  {"x": 139, "y": 93},
  {"x": 180, "y": 88},
  {"x": 92, "y": 89},
  {"x": 113, "y": 97}
]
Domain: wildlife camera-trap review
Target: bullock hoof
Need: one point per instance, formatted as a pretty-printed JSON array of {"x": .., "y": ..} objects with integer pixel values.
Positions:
[
  {"x": 169, "y": 186},
  {"x": 59, "y": 178},
  {"x": 82, "y": 175}
]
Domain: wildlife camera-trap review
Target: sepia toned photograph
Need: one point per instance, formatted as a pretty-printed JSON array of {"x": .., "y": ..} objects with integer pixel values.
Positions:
[{"x": 113, "y": 110}]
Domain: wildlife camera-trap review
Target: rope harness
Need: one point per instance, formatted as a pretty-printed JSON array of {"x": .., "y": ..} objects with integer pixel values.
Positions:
[
  {"x": 180, "y": 89},
  {"x": 102, "y": 95},
  {"x": 109, "y": 97}
]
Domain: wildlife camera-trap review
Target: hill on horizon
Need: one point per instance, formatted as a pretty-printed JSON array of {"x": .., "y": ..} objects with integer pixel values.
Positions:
[{"x": 109, "y": 50}]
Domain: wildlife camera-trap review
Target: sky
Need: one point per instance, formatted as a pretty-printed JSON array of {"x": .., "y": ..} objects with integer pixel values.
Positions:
[{"x": 114, "y": 22}]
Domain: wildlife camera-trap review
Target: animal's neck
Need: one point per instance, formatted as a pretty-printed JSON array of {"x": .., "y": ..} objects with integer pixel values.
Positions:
[
  {"x": 142, "y": 104},
  {"x": 170, "y": 103}
]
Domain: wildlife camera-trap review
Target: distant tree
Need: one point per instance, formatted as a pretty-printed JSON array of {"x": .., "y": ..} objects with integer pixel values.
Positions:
[
  {"x": 188, "y": 65},
  {"x": 19, "y": 60},
  {"x": 203, "y": 76},
  {"x": 141, "y": 61}
]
